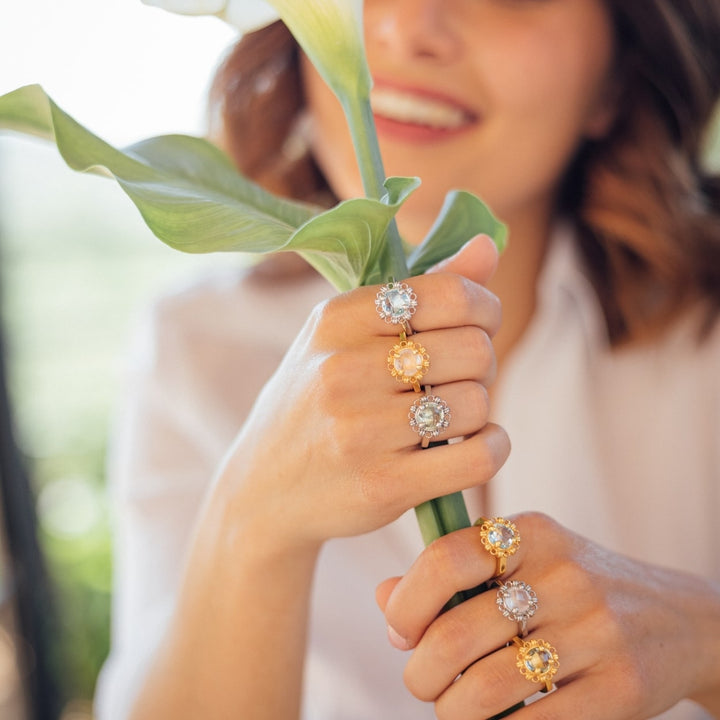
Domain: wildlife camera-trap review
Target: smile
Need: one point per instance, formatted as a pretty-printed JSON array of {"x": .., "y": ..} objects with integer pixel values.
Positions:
[{"x": 413, "y": 108}]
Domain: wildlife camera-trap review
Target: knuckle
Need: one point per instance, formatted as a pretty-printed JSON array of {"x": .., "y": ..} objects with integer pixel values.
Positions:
[
  {"x": 444, "y": 557},
  {"x": 631, "y": 685},
  {"x": 456, "y": 294},
  {"x": 477, "y": 395}
]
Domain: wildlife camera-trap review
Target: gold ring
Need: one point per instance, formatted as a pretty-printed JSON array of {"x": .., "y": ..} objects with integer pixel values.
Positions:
[
  {"x": 407, "y": 362},
  {"x": 537, "y": 660},
  {"x": 500, "y": 538}
]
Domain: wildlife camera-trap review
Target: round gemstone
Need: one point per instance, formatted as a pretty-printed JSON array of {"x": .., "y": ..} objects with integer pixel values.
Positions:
[
  {"x": 538, "y": 660},
  {"x": 407, "y": 362},
  {"x": 501, "y": 536},
  {"x": 397, "y": 303},
  {"x": 517, "y": 600}
]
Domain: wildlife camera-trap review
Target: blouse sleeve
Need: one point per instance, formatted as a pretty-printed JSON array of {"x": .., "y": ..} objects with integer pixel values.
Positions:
[{"x": 199, "y": 360}]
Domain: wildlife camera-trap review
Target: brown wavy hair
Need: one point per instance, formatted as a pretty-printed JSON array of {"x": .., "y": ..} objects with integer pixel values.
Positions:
[{"x": 647, "y": 210}]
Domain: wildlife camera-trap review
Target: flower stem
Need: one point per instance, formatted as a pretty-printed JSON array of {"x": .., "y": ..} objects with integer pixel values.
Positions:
[{"x": 361, "y": 123}]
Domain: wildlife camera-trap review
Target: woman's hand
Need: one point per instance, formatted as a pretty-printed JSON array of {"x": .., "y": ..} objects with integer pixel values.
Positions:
[
  {"x": 328, "y": 450},
  {"x": 632, "y": 639}
]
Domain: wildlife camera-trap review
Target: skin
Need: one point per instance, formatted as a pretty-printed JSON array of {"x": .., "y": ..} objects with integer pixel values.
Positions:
[{"x": 307, "y": 466}]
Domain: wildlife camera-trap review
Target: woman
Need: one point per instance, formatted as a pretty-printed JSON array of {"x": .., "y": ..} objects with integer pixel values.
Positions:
[{"x": 244, "y": 584}]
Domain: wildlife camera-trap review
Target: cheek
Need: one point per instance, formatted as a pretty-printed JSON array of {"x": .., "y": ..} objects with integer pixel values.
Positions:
[{"x": 330, "y": 139}]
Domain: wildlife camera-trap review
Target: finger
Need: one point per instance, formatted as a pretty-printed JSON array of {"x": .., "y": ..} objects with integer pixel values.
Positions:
[
  {"x": 496, "y": 682},
  {"x": 459, "y": 466},
  {"x": 444, "y": 300},
  {"x": 452, "y": 355},
  {"x": 467, "y": 404},
  {"x": 453, "y": 642},
  {"x": 384, "y": 590},
  {"x": 477, "y": 260},
  {"x": 452, "y": 563}
]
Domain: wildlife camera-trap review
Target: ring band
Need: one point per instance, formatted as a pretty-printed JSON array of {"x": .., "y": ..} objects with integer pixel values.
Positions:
[
  {"x": 500, "y": 538},
  {"x": 537, "y": 661},
  {"x": 518, "y": 602},
  {"x": 396, "y": 303},
  {"x": 408, "y": 362},
  {"x": 429, "y": 416}
]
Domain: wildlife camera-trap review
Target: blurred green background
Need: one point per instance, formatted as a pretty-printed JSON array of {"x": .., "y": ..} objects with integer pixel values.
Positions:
[{"x": 78, "y": 267}]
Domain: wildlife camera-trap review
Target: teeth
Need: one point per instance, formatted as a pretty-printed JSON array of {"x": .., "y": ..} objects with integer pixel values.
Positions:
[{"x": 404, "y": 107}]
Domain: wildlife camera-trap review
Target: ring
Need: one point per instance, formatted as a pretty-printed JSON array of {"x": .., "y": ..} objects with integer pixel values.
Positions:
[
  {"x": 429, "y": 416},
  {"x": 537, "y": 660},
  {"x": 408, "y": 362},
  {"x": 517, "y": 601},
  {"x": 500, "y": 538},
  {"x": 396, "y": 303}
]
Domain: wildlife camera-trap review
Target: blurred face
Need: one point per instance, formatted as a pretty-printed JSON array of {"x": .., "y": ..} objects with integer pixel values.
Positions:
[{"x": 492, "y": 96}]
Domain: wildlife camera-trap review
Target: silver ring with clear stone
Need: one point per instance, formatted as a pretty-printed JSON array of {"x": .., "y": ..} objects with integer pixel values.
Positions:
[
  {"x": 429, "y": 416},
  {"x": 518, "y": 602},
  {"x": 396, "y": 303}
]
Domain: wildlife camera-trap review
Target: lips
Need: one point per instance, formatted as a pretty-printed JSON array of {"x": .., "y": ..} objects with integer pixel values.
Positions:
[{"x": 418, "y": 114}]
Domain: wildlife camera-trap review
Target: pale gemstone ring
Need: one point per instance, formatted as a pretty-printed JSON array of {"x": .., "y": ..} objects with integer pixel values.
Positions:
[
  {"x": 537, "y": 661},
  {"x": 429, "y": 416},
  {"x": 407, "y": 362},
  {"x": 518, "y": 602},
  {"x": 500, "y": 538},
  {"x": 396, "y": 303}
]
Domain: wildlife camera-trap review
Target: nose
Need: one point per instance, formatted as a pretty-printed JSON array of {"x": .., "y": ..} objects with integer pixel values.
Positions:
[{"x": 413, "y": 29}]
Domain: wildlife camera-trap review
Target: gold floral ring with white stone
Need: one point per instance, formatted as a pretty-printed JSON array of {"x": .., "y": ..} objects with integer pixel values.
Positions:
[
  {"x": 429, "y": 416},
  {"x": 396, "y": 303},
  {"x": 537, "y": 661},
  {"x": 407, "y": 362},
  {"x": 500, "y": 538},
  {"x": 517, "y": 602}
]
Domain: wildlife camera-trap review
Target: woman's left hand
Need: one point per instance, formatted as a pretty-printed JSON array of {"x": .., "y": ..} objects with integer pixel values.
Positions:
[{"x": 632, "y": 639}]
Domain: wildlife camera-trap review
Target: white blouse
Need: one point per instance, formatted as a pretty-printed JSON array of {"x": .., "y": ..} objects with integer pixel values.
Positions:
[{"x": 622, "y": 446}]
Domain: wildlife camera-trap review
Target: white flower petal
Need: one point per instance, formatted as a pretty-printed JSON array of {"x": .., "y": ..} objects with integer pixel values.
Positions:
[
  {"x": 245, "y": 15},
  {"x": 249, "y": 15}
]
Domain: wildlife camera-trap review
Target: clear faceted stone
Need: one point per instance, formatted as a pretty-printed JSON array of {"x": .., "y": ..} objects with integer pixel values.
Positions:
[
  {"x": 430, "y": 415},
  {"x": 396, "y": 303},
  {"x": 501, "y": 536},
  {"x": 517, "y": 600},
  {"x": 538, "y": 660},
  {"x": 407, "y": 362}
]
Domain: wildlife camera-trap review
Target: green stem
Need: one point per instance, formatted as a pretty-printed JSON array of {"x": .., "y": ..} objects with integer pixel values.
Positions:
[
  {"x": 444, "y": 514},
  {"x": 361, "y": 123}
]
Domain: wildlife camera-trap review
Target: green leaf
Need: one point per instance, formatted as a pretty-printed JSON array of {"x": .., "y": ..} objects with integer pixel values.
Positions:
[
  {"x": 185, "y": 188},
  {"x": 463, "y": 216},
  {"x": 345, "y": 243}
]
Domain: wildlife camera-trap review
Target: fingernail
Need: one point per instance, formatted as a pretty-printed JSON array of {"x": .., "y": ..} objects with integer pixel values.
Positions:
[{"x": 397, "y": 640}]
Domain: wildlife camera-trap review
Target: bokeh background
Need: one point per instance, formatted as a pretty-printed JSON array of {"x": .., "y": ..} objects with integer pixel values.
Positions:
[{"x": 78, "y": 267}]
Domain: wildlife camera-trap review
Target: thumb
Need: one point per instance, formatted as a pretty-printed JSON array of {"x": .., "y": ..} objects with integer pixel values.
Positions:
[{"x": 476, "y": 260}]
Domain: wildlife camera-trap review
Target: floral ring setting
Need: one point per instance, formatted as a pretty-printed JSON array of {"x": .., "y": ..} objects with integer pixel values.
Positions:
[
  {"x": 537, "y": 661},
  {"x": 396, "y": 303},
  {"x": 518, "y": 602},
  {"x": 407, "y": 362},
  {"x": 429, "y": 416},
  {"x": 500, "y": 538}
]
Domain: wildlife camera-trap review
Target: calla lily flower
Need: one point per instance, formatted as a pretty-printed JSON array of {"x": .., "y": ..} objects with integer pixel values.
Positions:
[{"x": 245, "y": 15}]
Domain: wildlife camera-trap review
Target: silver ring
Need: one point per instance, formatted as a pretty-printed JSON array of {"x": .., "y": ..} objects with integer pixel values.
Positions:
[
  {"x": 518, "y": 602},
  {"x": 396, "y": 303},
  {"x": 429, "y": 416}
]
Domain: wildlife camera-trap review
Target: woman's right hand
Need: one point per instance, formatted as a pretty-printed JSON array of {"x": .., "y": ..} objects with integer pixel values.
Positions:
[{"x": 327, "y": 450}]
